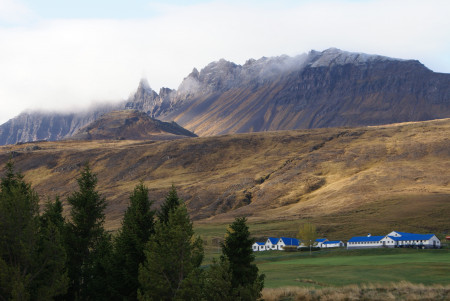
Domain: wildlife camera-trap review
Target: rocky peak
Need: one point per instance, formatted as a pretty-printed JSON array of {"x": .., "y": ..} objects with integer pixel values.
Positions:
[{"x": 334, "y": 56}]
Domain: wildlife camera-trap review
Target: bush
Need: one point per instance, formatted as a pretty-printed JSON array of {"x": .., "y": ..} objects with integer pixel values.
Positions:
[
  {"x": 290, "y": 248},
  {"x": 306, "y": 249}
]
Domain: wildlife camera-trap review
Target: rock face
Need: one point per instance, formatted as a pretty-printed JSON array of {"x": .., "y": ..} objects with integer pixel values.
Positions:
[
  {"x": 35, "y": 126},
  {"x": 318, "y": 89},
  {"x": 130, "y": 125}
]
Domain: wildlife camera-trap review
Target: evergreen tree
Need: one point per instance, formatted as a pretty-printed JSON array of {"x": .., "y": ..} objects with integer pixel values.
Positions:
[
  {"x": 171, "y": 202},
  {"x": 237, "y": 250},
  {"x": 32, "y": 257},
  {"x": 217, "y": 282},
  {"x": 171, "y": 269},
  {"x": 88, "y": 246},
  {"x": 137, "y": 226},
  {"x": 53, "y": 215}
]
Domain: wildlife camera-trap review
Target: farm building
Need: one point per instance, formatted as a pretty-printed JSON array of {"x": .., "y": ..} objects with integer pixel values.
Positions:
[
  {"x": 363, "y": 242},
  {"x": 397, "y": 239},
  {"x": 320, "y": 241},
  {"x": 259, "y": 246},
  {"x": 271, "y": 243},
  {"x": 332, "y": 244},
  {"x": 287, "y": 241}
]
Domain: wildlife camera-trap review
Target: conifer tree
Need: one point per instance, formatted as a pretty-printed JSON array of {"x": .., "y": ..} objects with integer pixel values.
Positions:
[
  {"x": 171, "y": 202},
  {"x": 87, "y": 243},
  {"x": 237, "y": 250},
  {"x": 32, "y": 257},
  {"x": 171, "y": 269},
  {"x": 137, "y": 226},
  {"x": 217, "y": 282}
]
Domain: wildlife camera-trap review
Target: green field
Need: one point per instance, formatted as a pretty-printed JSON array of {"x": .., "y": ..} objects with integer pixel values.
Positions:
[
  {"x": 342, "y": 267},
  {"x": 335, "y": 267}
]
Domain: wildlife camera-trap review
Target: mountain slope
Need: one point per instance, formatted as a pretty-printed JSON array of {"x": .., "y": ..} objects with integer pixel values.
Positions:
[
  {"x": 372, "y": 178},
  {"x": 130, "y": 125},
  {"x": 328, "y": 89},
  {"x": 50, "y": 126},
  {"x": 314, "y": 90}
]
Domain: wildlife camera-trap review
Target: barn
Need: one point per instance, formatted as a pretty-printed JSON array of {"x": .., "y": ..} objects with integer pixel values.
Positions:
[
  {"x": 365, "y": 242},
  {"x": 397, "y": 239}
]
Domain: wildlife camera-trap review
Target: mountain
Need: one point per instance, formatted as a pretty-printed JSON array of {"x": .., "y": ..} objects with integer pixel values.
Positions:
[
  {"x": 346, "y": 180},
  {"x": 130, "y": 125},
  {"x": 321, "y": 89},
  {"x": 49, "y": 126},
  {"x": 314, "y": 90}
]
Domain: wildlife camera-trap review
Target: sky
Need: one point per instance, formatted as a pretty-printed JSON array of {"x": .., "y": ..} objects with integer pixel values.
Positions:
[{"x": 61, "y": 55}]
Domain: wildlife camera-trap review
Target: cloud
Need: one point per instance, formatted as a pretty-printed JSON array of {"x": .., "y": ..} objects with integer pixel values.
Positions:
[
  {"x": 67, "y": 63},
  {"x": 14, "y": 12}
]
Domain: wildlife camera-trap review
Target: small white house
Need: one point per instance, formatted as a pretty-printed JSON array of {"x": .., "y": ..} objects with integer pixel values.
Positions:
[
  {"x": 271, "y": 243},
  {"x": 287, "y": 241},
  {"x": 364, "y": 242},
  {"x": 259, "y": 246},
  {"x": 332, "y": 244},
  {"x": 320, "y": 241}
]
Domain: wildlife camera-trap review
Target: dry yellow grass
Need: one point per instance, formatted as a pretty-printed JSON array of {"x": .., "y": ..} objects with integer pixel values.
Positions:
[
  {"x": 394, "y": 291},
  {"x": 345, "y": 180}
]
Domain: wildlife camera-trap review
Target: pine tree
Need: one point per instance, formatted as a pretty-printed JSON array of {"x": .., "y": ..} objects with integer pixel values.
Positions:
[
  {"x": 137, "y": 226},
  {"x": 171, "y": 202},
  {"x": 86, "y": 240},
  {"x": 171, "y": 269},
  {"x": 217, "y": 282},
  {"x": 237, "y": 250},
  {"x": 32, "y": 256}
]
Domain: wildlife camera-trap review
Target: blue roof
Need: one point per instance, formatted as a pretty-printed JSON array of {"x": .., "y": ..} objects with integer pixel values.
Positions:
[
  {"x": 411, "y": 236},
  {"x": 321, "y": 239},
  {"x": 332, "y": 242},
  {"x": 365, "y": 238},
  {"x": 273, "y": 240},
  {"x": 261, "y": 243},
  {"x": 289, "y": 241}
]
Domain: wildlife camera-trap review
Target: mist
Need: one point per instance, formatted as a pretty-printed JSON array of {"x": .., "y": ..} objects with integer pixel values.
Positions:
[{"x": 68, "y": 64}]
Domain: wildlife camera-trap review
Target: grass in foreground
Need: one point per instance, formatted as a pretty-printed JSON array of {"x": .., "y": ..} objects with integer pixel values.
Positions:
[{"x": 392, "y": 291}]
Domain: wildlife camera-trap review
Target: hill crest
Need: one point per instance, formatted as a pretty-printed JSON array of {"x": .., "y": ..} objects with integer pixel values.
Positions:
[{"x": 130, "y": 125}]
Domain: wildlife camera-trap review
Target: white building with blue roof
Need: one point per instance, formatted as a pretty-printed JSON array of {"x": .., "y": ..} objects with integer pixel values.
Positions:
[
  {"x": 397, "y": 239},
  {"x": 271, "y": 243},
  {"x": 320, "y": 241},
  {"x": 287, "y": 241},
  {"x": 332, "y": 244},
  {"x": 259, "y": 246},
  {"x": 365, "y": 242}
]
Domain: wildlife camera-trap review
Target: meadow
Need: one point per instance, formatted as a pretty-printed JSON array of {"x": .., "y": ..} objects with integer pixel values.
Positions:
[
  {"x": 341, "y": 274},
  {"x": 342, "y": 267}
]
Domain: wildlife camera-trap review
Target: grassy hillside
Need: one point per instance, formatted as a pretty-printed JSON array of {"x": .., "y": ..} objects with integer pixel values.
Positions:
[{"x": 348, "y": 181}]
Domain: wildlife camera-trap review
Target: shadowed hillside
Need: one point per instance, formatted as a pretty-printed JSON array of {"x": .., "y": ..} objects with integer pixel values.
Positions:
[
  {"x": 130, "y": 125},
  {"x": 356, "y": 179}
]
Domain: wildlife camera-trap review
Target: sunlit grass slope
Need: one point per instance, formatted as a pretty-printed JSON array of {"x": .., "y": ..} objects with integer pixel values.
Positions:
[{"x": 348, "y": 181}]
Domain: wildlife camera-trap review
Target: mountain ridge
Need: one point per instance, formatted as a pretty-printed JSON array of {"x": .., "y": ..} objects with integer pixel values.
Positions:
[{"x": 318, "y": 89}]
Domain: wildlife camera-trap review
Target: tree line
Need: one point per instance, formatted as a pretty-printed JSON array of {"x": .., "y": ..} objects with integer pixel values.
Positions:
[{"x": 155, "y": 255}]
